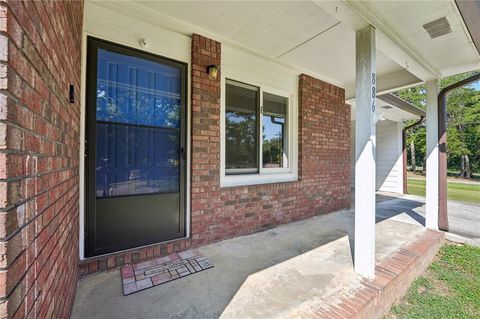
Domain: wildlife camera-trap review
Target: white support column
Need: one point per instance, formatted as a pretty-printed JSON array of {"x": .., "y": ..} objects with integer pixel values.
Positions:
[
  {"x": 431, "y": 218},
  {"x": 365, "y": 142}
]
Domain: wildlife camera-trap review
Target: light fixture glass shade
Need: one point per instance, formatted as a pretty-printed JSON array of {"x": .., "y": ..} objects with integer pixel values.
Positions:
[{"x": 212, "y": 72}]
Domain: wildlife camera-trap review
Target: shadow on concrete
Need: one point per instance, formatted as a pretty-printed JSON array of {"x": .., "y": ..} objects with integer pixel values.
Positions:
[
  {"x": 280, "y": 267},
  {"x": 398, "y": 206},
  {"x": 389, "y": 206}
]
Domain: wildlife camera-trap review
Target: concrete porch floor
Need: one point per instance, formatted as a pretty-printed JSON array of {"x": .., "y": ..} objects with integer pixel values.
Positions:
[{"x": 277, "y": 273}]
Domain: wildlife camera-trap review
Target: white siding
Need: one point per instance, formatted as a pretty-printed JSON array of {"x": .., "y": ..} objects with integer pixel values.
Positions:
[
  {"x": 389, "y": 177},
  {"x": 389, "y": 157}
]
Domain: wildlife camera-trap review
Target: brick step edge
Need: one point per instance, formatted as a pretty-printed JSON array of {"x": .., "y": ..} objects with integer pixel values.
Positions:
[{"x": 393, "y": 277}]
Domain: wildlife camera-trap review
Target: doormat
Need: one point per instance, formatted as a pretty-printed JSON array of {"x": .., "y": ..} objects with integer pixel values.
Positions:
[{"x": 158, "y": 271}]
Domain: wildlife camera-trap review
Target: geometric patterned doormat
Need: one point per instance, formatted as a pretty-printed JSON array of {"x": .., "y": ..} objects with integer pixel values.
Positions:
[{"x": 158, "y": 271}]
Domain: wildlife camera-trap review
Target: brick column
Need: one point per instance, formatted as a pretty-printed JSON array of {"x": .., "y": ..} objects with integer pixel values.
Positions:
[
  {"x": 205, "y": 147},
  {"x": 324, "y": 145},
  {"x": 40, "y": 50}
]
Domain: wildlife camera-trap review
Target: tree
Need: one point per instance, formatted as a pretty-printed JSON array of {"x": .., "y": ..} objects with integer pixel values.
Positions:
[
  {"x": 463, "y": 121},
  {"x": 416, "y": 138},
  {"x": 463, "y": 125}
]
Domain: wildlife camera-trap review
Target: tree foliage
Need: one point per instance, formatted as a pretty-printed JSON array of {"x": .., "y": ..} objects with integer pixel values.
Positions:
[{"x": 463, "y": 122}]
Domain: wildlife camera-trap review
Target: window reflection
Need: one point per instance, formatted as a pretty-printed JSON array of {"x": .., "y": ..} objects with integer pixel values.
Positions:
[
  {"x": 138, "y": 126},
  {"x": 241, "y": 127},
  {"x": 274, "y": 131}
]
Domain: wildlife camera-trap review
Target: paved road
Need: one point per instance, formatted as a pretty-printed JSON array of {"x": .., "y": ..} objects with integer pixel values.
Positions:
[{"x": 464, "y": 219}]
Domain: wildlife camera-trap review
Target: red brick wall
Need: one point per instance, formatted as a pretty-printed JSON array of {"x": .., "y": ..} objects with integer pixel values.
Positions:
[
  {"x": 40, "y": 49},
  {"x": 324, "y": 159},
  {"x": 219, "y": 213}
]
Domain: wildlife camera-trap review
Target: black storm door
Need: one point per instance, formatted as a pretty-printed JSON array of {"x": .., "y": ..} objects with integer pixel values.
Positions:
[{"x": 135, "y": 142}]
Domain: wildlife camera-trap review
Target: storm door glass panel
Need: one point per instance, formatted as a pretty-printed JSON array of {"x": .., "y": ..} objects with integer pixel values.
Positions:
[
  {"x": 138, "y": 126},
  {"x": 136, "y": 173},
  {"x": 274, "y": 135},
  {"x": 241, "y": 128}
]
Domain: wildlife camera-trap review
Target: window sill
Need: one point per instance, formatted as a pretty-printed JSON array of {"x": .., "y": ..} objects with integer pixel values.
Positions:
[{"x": 256, "y": 179}]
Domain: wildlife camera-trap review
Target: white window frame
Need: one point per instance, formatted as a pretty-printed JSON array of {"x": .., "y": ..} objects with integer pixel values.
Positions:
[{"x": 264, "y": 175}]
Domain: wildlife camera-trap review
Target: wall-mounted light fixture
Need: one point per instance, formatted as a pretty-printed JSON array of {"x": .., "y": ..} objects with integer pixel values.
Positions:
[{"x": 212, "y": 71}]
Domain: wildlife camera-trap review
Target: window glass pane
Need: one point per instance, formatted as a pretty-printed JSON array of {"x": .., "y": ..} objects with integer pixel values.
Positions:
[
  {"x": 138, "y": 126},
  {"x": 274, "y": 130},
  {"x": 241, "y": 144}
]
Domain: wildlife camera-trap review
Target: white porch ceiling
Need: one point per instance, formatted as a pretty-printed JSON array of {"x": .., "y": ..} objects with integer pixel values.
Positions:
[
  {"x": 403, "y": 21},
  {"x": 266, "y": 26},
  {"x": 318, "y": 37}
]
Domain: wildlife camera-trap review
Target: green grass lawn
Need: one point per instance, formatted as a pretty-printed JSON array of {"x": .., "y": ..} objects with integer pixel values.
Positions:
[
  {"x": 450, "y": 288},
  {"x": 462, "y": 192}
]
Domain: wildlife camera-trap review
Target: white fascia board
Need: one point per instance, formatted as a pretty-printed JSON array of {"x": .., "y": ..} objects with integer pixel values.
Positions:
[
  {"x": 397, "y": 54},
  {"x": 458, "y": 14},
  {"x": 474, "y": 66}
]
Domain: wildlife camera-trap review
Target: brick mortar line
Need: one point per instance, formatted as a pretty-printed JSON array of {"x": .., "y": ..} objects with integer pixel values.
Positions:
[
  {"x": 27, "y": 153},
  {"x": 5, "y": 298},
  {"x": 23, "y": 201},
  {"x": 61, "y": 249},
  {"x": 52, "y": 91},
  {"x": 19, "y": 178},
  {"x": 24, "y": 153},
  {"x": 56, "y": 40},
  {"x": 69, "y": 282},
  {"x": 43, "y": 266},
  {"x": 34, "y": 46},
  {"x": 18, "y": 256},
  {"x": 9, "y": 237},
  {"x": 13, "y": 124},
  {"x": 26, "y": 82},
  {"x": 24, "y": 33},
  {"x": 13, "y": 97}
]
